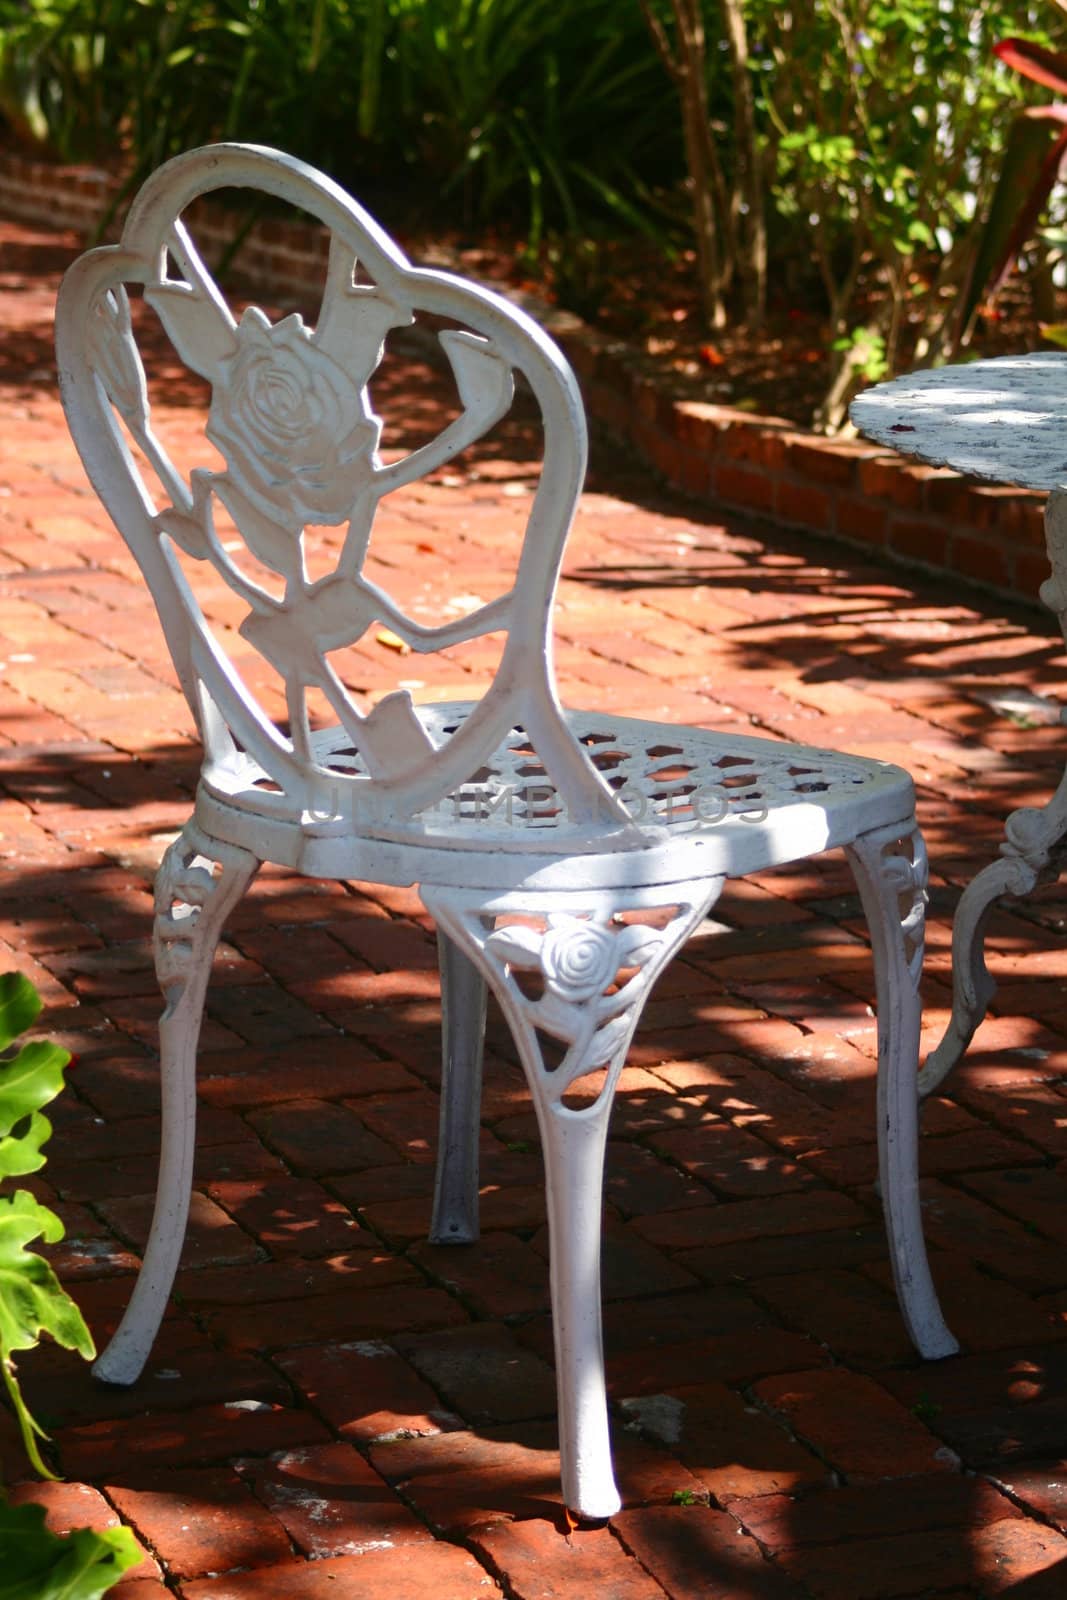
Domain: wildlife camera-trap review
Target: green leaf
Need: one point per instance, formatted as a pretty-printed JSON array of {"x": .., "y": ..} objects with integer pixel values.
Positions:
[
  {"x": 32, "y": 1300},
  {"x": 22, "y": 1153},
  {"x": 29, "y": 1081},
  {"x": 1055, "y": 333},
  {"x": 20, "y": 1006},
  {"x": 41, "y": 1565}
]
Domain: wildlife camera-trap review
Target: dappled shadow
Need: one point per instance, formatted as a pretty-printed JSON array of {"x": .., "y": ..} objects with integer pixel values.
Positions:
[
  {"x": 772, "y": 1423},
  {"x": 814, "y": 597},
  {"x": 745, "y": 1270}
]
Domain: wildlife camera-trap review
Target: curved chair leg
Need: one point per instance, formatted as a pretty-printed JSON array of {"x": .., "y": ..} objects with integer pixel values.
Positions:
[
  {"x": 553, "y": 981},
  {"x": 463, "y": 997},
  {"x": 890, "y": 868},
  {"x": 192, "y": 903}
]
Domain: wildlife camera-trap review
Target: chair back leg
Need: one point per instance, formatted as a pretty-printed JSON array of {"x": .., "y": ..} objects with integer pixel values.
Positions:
[{"x": 463, "y": 1000}]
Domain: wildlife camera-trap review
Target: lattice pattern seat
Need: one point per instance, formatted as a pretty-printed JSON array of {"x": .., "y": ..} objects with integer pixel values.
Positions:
[
  {"x": 564, "y": 857},
  {"x": 698, "y": 799}
]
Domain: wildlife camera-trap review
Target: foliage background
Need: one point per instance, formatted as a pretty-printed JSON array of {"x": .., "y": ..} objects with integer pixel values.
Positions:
[{"x": 871, "y": 141}]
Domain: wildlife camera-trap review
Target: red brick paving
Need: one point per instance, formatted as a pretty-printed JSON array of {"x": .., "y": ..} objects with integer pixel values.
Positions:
[{"x": 337, "y": 1409}]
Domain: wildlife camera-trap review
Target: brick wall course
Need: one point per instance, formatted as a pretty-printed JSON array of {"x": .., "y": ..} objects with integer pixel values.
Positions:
[
  {"x": 989, "y": 535},
  {"x": 861, "y": 519},
  {"x": 805, "y": 505}
]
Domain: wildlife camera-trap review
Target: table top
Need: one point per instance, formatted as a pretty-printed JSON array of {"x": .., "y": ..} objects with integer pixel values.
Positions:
[{"x": 1005, "y": 419}]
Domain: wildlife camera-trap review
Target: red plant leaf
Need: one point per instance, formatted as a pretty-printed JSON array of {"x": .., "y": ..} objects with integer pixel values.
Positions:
[
  {"x": 1032, "y": 159},
  {"x": 1047, "y": 67}
]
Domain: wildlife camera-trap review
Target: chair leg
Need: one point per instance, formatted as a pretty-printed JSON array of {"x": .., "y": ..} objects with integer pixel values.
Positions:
[
  {"x": 890, "y": 869},
  {"x": 553, "y": 983},
  {"x": 463, "y": 997},
  {"x": 192, "y": 902}
]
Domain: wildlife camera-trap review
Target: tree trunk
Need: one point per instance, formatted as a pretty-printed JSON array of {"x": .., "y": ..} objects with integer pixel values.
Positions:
[
  {"x": 751, "y": 184},
  {"x": 687, "y": 66}
]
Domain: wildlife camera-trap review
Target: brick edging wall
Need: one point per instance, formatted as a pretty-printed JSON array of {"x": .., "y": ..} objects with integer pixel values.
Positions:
[
  {"x": 853, "y": 491},
  {"x": 858, "y": 492}
]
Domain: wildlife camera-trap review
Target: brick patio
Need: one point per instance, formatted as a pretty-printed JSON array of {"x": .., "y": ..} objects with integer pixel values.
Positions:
[{"x": 336, "y": 1409}]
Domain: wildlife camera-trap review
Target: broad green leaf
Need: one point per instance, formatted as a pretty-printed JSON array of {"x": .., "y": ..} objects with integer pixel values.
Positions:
[
  {"x": 32, "y": 1300},
  {"x": 30, "y": 1080},
  {"x": 20, "y": 1006},
  {"x": 24, "y": 1152},
  {"x": 41, "y": 1565}
]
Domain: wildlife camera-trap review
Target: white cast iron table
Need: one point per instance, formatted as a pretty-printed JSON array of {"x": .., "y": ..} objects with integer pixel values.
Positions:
[{"x": 1005, "y": 421}]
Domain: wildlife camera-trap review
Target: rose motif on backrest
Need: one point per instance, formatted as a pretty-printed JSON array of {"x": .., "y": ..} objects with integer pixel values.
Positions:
[{"x": 291, "y": 423}]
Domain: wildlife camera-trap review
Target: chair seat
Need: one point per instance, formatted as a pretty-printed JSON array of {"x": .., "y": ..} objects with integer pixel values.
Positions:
[{"x": 702, "y": 802}]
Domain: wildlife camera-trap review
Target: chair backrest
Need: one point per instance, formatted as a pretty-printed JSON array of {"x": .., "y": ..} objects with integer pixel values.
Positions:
[{"x": 291, "y": 416}]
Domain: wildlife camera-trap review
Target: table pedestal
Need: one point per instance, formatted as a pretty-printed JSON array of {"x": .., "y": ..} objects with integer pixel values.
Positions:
[{"x": 1034, "y": 852}]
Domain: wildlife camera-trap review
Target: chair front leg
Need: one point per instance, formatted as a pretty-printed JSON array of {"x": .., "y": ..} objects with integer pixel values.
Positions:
[
  {"x": 199, "y": 882},
  {"x": 463, "y": 997},
  {"x": 890, "y": 869},
  {"x": 572, "y": 977}
]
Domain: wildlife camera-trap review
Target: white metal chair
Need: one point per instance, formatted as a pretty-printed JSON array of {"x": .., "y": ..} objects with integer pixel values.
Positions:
[{"x": 565, "y": 856}]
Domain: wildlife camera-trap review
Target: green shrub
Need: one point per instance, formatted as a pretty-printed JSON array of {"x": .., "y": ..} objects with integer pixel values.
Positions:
[
  {"x": 831, "y": 154},
  {"x": 533, "y": 108}
]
